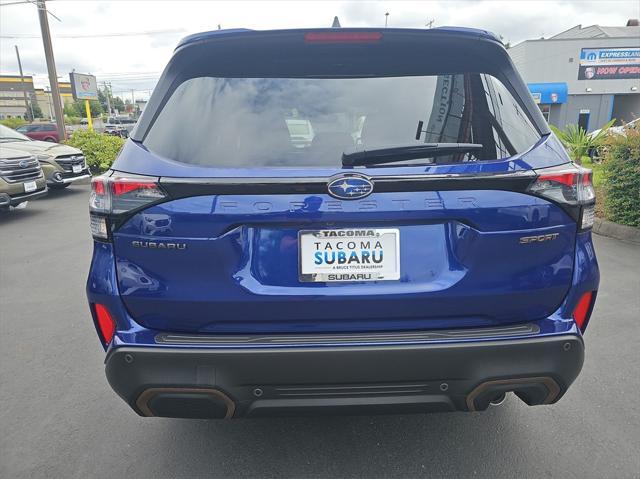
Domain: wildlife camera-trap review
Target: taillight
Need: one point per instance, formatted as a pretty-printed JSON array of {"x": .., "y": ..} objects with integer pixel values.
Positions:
[
  {"x": 116, "y": 195},
  {"x": 570, "y": 187},
  {"x": 106, "y": 324},
  {"x": 582, "y": 309},
  {"x": 342, "y": 37}
]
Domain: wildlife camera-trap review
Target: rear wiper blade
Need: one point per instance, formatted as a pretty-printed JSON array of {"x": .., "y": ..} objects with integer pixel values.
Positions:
[{"x": 408, "y": 152}]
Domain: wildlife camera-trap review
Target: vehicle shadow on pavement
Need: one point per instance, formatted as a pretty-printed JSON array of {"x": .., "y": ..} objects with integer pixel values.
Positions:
[
  {"x": 457, "y": 444},
  {"x": 65, "y": 193},
  {"x": 22, "y": 214}
]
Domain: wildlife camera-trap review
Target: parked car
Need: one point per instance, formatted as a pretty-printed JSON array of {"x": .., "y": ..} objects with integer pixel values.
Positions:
[
  {"x": 598, "y": 151},
  {"x": 21, "y": 178},
  {"x": 621, "y": 129},
  {"x": 429, "y": 249},
  {"x": 122, "y": 122},
  {"x": 116, "y": 130},
  {"x": 40, "y": 131},
  {"x": 61, "y": 164}
]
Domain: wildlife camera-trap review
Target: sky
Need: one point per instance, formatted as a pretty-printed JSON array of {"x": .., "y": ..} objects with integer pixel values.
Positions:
[{"x": 129, "y": 42}]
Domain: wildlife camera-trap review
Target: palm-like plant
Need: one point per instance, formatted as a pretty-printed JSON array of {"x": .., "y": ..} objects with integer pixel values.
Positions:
[{"x": 578, "y": 142}]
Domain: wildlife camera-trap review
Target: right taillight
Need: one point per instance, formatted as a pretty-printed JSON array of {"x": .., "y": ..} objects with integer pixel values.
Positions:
[
  {"x": 572, "y": 188},
  {"x": 116, "y": 195}
]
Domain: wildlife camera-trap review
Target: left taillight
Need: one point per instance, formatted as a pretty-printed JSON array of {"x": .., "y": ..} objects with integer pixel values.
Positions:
[
  {"x": 571, "y": 187},
  {"x": 114, "y": 196}
]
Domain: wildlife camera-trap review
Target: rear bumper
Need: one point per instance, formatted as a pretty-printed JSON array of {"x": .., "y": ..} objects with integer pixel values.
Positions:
[{"x": 225, "y": 382}]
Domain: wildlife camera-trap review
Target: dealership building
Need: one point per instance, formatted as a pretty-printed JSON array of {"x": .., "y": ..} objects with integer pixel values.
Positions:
[{"x": 584, "y": 75}]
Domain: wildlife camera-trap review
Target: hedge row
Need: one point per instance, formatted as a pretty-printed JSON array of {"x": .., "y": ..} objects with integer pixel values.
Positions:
[
  {"x": 12, "y": 123},
  {"x": 99, "y": 149},
  {"x": 622, "y": 178}
]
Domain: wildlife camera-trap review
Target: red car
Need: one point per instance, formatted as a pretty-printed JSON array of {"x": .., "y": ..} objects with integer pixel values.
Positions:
[{"x": 41, "y": 131}]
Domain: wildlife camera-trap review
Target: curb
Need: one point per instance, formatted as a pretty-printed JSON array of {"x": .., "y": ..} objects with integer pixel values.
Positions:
[{"x": 614, "y": 230}]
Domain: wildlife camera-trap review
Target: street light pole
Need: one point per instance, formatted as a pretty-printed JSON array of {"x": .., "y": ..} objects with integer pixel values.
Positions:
[
  {"x": 24, "y": 90},
  {"x": 386, "y": 19},
  {"x": 51, "y": 67}
]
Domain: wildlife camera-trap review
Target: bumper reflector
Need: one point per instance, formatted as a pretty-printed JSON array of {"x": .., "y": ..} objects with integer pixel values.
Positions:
[
  {"x": 106, "y": 324},
  {"x": 581, "y": 312}
]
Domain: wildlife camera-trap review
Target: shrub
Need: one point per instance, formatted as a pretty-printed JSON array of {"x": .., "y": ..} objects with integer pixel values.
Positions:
[
  {"x": 622, "y": 178},
  {"x": 578, "y": 142},
  {"x": 100, "y": 150},
  {"x": 13, "y": 122}
]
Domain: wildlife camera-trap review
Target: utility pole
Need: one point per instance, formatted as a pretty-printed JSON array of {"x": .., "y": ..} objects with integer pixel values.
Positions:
[
  {"x": 133, "y": 102},
  {"x": 51, "y": 67},
  {"x": 24, "y": 90},
  {"x": 50, "y": 104}
]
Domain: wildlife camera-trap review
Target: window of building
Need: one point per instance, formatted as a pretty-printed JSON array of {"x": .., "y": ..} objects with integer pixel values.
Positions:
[{"x": 546, "y": 111}]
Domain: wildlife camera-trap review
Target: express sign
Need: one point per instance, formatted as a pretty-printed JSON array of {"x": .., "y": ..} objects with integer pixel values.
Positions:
[{"x": 608, "y": 56}]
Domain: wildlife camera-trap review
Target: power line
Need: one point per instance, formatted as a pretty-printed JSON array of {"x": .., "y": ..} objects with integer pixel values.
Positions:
[
  {"x": 97, "y": 35},
  {"x": 13, "y": 3},
  {"x": 32, "y": 2}
]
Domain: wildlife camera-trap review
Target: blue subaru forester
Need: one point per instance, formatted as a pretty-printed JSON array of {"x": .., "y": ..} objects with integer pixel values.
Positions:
[{"x": 341, "y": 221}]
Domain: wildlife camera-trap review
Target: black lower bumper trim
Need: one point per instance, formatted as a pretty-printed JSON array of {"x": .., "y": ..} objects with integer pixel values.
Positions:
[
  {"x": 17, "y": 199},
  {"x": 226, "y": 382}
]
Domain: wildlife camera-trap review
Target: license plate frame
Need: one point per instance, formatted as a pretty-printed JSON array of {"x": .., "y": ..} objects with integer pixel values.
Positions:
[
  {"x": 30, "y": 186},
  {"x": 387, "y": 252}
]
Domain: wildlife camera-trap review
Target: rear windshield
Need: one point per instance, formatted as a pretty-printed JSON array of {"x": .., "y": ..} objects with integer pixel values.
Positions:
[{"x": 298, "y": 122}]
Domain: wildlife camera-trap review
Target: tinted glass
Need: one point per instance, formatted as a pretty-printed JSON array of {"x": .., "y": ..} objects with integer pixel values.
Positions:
[
  {"x": 249, "y": 122},
  {"x": 27, "y": 128}
]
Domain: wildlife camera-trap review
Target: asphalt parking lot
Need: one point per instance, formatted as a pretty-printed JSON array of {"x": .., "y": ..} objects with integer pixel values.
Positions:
[{"x": 60, "y": 419}]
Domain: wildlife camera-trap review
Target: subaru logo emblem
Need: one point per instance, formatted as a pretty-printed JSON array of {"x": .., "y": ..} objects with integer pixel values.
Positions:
[
  {"x": 23, "y": 164},
  {"x": 350, "y": 187}
]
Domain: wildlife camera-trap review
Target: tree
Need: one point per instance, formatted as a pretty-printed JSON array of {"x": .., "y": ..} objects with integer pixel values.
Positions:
[
  {"x": 37, "y": 111},
  {"x": 70, "y": 109},
  {"x": 117, "y": 104},
  {"x": 80, "y": 110},
  {"x": 102, "y": 98}
]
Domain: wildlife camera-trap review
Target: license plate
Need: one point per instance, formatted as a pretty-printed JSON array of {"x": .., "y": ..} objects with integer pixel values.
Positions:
[
  {"x": 349, "y": 255},
  {"x": 76, "y": 168},
  {"x": 30, "y": 186}
]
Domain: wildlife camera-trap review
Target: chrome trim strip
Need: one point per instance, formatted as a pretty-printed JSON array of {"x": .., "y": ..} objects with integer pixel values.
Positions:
[
  {"x": 75, "y": 178},
  {"x": 516, "y": 330}
]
